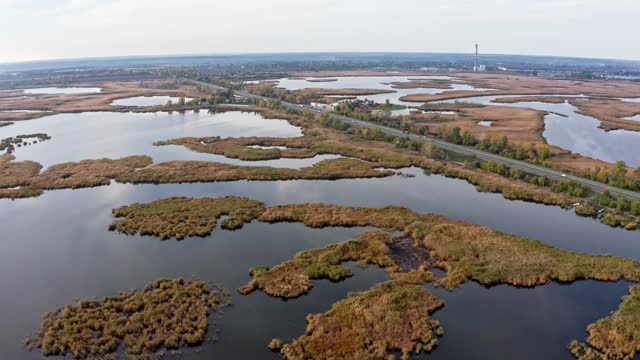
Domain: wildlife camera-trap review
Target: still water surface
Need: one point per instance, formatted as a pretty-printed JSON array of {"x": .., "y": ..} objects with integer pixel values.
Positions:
[
  {"x": 147, "y": 100},
  {"x": 56, "y": 249}
]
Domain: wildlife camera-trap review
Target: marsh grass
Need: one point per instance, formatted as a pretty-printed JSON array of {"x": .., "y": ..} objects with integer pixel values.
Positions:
[
  {"x": 165, "y": 314},
  {"x": 391, "y": 316},
  {"x": 180, "y": 216},
  {"x": 295, "y": 277},
  {"x": 616, "y": 336},
  {"x": 467, "y": 251}
]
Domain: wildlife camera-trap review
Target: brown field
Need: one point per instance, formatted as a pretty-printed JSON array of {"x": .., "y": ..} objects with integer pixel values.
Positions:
[
  {"x": 543, "y": 99},
  {"x": 59, "y": 103},
  {"x": 342, "y": 73},
  {"x": 611, "y": 113},
  {"x": 509, "y": 84},
  {"x": 422, "y": 83},
  {"x": 518, "y": 124}
]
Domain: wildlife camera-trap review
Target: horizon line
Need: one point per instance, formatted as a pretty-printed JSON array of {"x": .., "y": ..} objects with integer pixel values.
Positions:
[{"x": 111, "y": 57}]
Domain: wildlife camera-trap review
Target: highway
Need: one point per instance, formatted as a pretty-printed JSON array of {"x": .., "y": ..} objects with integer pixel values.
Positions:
[{"x": 458, "y": 149}]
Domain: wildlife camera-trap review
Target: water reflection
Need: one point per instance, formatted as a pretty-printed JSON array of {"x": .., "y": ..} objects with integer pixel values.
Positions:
[
  {"x": 56, "y": 248},
  {"x": 96, "y": 135},
  {"x": 147, "y": 100},
  {"x": 578, "y": 133}
]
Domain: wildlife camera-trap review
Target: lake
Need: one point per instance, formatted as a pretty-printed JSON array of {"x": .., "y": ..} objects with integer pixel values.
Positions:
[
  {"x": 147, "y": 100},
  {"x": 56, "y": 248}
]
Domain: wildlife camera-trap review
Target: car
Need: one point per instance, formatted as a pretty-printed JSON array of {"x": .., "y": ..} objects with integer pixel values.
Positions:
[{"x": 563, "y": 175}]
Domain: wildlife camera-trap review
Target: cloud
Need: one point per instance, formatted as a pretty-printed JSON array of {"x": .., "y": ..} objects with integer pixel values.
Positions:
[{"x": 85, "y": 28}]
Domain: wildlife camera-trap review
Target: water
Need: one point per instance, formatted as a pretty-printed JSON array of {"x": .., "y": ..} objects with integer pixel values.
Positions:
[
  {"x": 97, "y": 135},
  {"x": 484, "y": 123},
  {"x": 374, "y": 82},
  {"x": 634, "y": 118},
  {"x": 56, "y": 249},
  {"x": 147, "y": 101},
  {"x": 578, "y": 133},
  {"x": 66, "y": 90}
]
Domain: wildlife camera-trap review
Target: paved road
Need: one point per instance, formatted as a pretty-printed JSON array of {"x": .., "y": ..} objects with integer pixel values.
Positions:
[{"x": 459, "y": 149}]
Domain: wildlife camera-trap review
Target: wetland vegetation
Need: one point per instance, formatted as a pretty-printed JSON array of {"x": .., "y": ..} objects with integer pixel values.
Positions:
[
  {"x": 616, "y": 336},
  {"x": 165, "y": 314},
  {"x": 372, "y": 324}
]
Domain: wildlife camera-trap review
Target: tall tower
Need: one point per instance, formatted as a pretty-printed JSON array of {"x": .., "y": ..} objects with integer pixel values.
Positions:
[{"x": 475, "y": 60}]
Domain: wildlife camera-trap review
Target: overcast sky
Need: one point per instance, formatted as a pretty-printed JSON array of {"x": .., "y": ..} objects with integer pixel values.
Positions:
[{"x": 57, "y": 29}]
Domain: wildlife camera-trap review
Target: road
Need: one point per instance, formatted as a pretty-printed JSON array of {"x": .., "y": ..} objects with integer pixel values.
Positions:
[{"x": 458, "y": 149}]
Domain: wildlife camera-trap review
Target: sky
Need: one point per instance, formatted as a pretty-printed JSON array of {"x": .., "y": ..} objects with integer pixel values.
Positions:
[{"x": 61, "y": 29}]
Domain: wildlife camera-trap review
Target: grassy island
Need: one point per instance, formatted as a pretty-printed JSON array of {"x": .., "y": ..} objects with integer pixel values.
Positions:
[
  {"x": 464, "y": 251},
  {"x": 391, "y": 316},
  {"x": 616, "y": 336},
  {"x": 180, "y": 216},
  {"x": 165, "y": 314}
]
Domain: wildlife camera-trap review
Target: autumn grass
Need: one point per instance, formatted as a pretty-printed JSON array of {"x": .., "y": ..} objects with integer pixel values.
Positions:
[
  {"x": 13, "y": 174},
  {"x": 467, "y": 251},
  {"x": 181, "y": 217},
  {"x": 616, "y": 336},
  {"x": 391, "y": 316},
  {"x": 87, "y": 173},
  {"x": 205, "y": 171},
  {"x": 295, "y": 277},
  {"x": 165, "y": 314},
  {"x": 319, "y": 140}
]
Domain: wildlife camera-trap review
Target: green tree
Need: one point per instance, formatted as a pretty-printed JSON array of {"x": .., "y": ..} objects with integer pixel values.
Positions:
[
  {"x": 181, "y": 101},
  {"x": 543, "y": 153},
  {"x": 542, "y": 181},
  {"x": 619, "y": 173},
  {"x": 602, "y": 175},
  {"x": 635, "y": 208},
  {"x": 621, "y": 204}
]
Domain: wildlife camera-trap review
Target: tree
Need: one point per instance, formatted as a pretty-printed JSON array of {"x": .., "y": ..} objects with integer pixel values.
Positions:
[
  {"x": 467, "y": 138},
  {"x": 169, "y": 103},
  {"x": 635, "y": 208},
  {"x": 542, "y": 181},
  {"x": 543, "y": 153},
  {"x": 602, "y": 175},
  {"x": 181, "y": 101},
  {"x": 619, "y": 173},
  {"x": 621, "y": 204}
]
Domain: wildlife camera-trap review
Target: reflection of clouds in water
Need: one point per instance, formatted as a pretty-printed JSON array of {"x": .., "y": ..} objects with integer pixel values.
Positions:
[
  {"x": 375, "y": 82},
  {"x": 96, "y": 135},
  {"x": 578, "y": 133}
]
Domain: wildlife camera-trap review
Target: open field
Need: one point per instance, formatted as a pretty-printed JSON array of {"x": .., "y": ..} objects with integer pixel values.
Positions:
[
  {"x": 58, "y": 103},
  {"x": 610, "y": 112},
  {"x": 422, "y": 83},
  {"x": 509, "y": 84}
]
